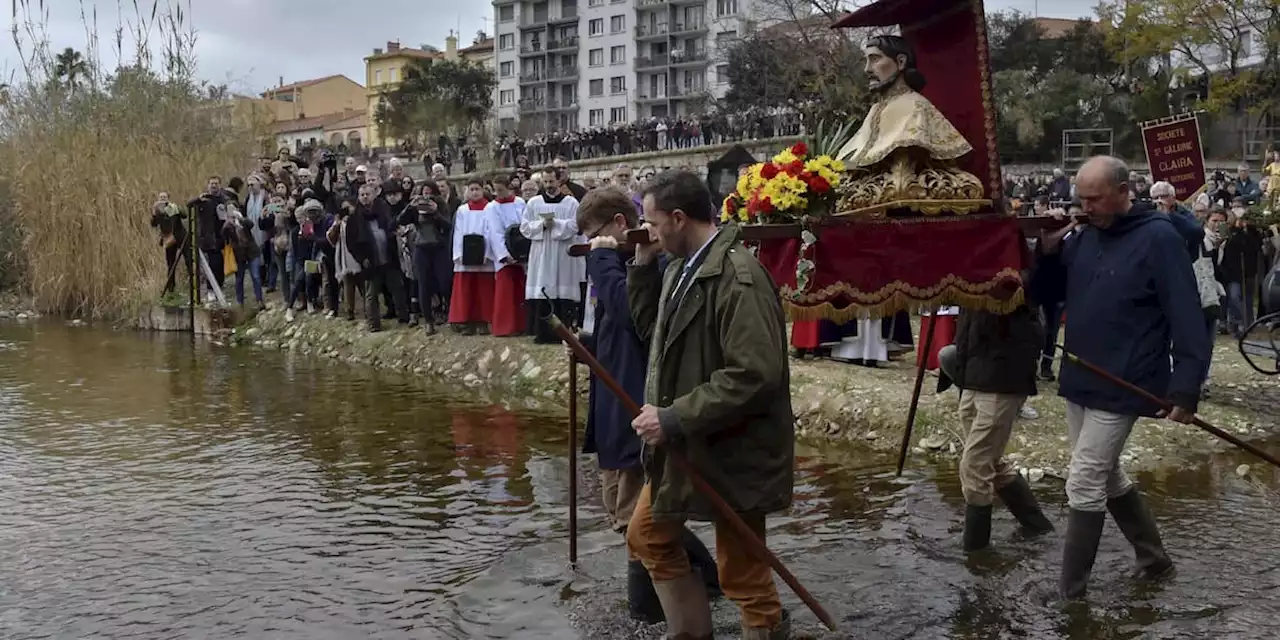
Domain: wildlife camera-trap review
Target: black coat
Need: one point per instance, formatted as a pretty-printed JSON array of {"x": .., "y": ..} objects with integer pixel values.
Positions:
[
  {"x": 360, "y": 237},
  {"x": 208, "y": 227},
  {"x": 998, "y": 353},
  {"x": 619, "y": 348}
]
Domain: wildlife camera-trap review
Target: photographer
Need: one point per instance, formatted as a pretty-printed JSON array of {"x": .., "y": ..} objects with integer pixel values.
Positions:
[
  {"x": 370, "y": 237},
  {"x": 168, "y": 219},
  {"x": 431, "y": 239},
  {"x": 209, "y": 227},
  {"x": 239, "y": 233}
]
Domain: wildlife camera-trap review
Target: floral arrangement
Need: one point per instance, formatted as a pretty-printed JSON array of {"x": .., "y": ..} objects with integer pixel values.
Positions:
[{"x": 787, "y": 188}]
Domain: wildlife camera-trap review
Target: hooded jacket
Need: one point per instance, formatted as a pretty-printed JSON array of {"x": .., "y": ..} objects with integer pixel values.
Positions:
[{"x": 1131, "y": 293}]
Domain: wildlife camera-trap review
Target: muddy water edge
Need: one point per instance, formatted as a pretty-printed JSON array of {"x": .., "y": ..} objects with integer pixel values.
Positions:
[{"x": 153, "y": 488}]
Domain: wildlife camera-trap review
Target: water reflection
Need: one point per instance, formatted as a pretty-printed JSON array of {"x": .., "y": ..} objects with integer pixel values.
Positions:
[{"x": 153, "y": 489}]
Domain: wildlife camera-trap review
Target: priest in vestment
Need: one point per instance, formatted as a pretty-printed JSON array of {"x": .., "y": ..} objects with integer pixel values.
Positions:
[
  {"x": 552, "y": 281},
  {"x": 474, "y": 239},
  {"x": 509, "y": 316}
]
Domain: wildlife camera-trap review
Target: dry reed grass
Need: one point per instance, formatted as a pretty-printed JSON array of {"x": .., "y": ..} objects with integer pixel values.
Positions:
[{"x": 85, "y": 159}]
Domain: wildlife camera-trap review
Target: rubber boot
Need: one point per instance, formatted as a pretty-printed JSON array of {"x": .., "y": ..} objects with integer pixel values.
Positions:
[
  {"x": 1046, "y": 369},
  {"x": 684, "y": 602},
  {"x": 642, "y": 600},
  {"x": 1084, "y": 531},
  {"x": 1017, "y": 497},
  {"x": 782, "y": 631},
  {"x": 1138, "y": 526},
  {"x": 977, "y": 527},
  {"x": 702, "y": 562}
]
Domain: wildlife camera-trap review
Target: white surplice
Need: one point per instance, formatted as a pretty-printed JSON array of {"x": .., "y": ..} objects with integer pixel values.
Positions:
[
  {"x": 470, "y": 221},
  {"x": 550, "y": 265},
  {"x": 501, "y": 216},
  {"x": 867, "y": 345}
]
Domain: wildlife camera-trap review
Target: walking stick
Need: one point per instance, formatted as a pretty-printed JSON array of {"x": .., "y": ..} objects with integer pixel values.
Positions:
[
  {"x": 573, "y": 461},
  {"x": 726, "y": 512},
  {"x": 915, "y": 393},
  {"x": 1199, "y": 422}
]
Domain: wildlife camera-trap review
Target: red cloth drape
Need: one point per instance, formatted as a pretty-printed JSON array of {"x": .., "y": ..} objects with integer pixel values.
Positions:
[{"x": 943, "y": 335}]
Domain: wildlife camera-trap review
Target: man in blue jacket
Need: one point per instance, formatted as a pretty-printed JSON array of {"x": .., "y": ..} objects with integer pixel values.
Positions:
[
  {"x": 1130, "y": 295},
  {"x": 604, "y": 216}
]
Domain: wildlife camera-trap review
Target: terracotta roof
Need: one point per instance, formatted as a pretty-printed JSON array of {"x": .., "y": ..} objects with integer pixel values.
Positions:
[
  {"x": 1056, "y": 27},
  {"x": 483, "y": 46},
  {"x": 405, "y": 52},
  {"x": 300, "y": 85},
  {"x": 318, "y": 122},
  {"x": 351, "y": 122}
]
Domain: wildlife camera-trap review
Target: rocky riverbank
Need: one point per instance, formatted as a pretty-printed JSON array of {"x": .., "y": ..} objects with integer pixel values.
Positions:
[{"x": 833, "y": 401}]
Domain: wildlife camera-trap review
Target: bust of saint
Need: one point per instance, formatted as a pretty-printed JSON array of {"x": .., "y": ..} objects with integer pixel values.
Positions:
[{"x": 903, "y": 156}]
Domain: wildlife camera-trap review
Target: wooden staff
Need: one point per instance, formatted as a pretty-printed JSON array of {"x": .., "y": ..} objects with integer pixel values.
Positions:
[
  {"x": 573, "y": 460},
  {"x": 748, "y": 536},
  {"x": 1199, "y": 422},
  {"x": 923, "y": 357}
]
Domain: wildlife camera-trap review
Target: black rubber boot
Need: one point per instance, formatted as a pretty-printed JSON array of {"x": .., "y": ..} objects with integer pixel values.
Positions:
[
  {"x": 703, "y": 562},
  {"x": 642, "y": 600},
  {"x": 977, "y": 527},
  {"x": 1017, "y": 497},
  {"x": 1084, "y": 531},
  {"x": 1046, "y": 369},
  {"x": 1139, "y": 527}
]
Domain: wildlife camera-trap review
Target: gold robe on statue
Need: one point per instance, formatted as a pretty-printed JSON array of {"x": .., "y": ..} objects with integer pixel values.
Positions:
[{"x": 903, "y": 156}]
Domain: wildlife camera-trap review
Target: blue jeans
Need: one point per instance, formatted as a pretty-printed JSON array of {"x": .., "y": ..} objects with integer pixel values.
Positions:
[
  {"x": 1240, "y": 305},
  {"x": 254, "y": 269}
]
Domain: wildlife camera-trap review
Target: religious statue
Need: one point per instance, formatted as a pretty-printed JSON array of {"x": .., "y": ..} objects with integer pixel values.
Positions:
[{"x": 903, "y": 157}]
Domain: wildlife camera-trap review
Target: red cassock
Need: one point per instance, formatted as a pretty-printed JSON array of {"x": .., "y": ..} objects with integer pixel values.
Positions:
[
  {"x": 805, "y": 334},
  {"x": 508, "y": 302},
  {"x": 472, "y": 299},
  {"x": 943, "y": 335}
]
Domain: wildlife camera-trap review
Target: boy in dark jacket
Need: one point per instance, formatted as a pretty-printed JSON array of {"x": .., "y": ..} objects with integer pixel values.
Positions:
[
  {"x": 604, "y": 216},
  {"x": 1131, "y": 294},
  {"x": 995, "y": 366}
]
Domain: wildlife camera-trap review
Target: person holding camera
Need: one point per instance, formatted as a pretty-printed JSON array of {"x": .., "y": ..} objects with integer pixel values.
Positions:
[
  {"x": 209, "y": 226},
  {"x": 370, "y": 238},
  {"x": 167, "y": 218},
  {"x": 431, "y": 237}
]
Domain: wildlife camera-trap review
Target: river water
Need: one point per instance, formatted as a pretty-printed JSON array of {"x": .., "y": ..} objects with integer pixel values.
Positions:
[{"x": 150, "y": 488}]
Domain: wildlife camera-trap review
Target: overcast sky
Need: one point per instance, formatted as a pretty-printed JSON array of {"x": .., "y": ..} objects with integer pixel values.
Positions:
[{"x": 251, "y": 44}]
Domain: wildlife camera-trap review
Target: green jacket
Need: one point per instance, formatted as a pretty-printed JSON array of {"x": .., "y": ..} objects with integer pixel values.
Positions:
[{"x": 719, "y": 372}]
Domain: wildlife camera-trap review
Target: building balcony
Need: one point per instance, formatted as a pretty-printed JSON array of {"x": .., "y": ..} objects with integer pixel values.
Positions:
[
  {"x": 645, "y": 4},
  {"x": 689, "y": 59},
  {"x": 533, "y": 77},
  {"x": 682, "y": 29},
  {"x": 536, "y": 21},
  {"x": 650, "y": 62},
  {"x": 687, "y": 92},
  {"x": 532, "y": 105},
  {"x": 563, "y": 44},
  {"x": 646, "y": 96},
  {"x": 532, "y": 50},
  {"x": 651, "y": 31},
  {"x": 565, "y": 17},
  {"x": 562, "y": 73},
  {"x": 687, "y": 2},
  {"x": 562, "y": 105}
]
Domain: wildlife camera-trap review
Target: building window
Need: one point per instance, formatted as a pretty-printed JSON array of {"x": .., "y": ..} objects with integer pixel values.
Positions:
[
  {"x": 595, "y": 27},
  {"x": 392, "y": 75},
  {"x": 722, "y": 73},
  {"x": 506, "y": 97},
  {"x": 617, "y": 115},
  {"x": 618, "y": 84},
  {"x": 595, "y": 88},
  {"x": 726, "y": 7},
  {"x": 597, "y": 117},
  {"x": 507, "y": 69},
  {"x": 377, "y": 76},
  {"x": 507, "y": 41},
  {"x": 618, "y": 54},
  {"x": 595, "y": 57},
  {"x": 595, "y": 3},
  {"x": 617, "y": 24},
  {"x": 507, "y": 13},
  {"x": 725, "y": 37}
]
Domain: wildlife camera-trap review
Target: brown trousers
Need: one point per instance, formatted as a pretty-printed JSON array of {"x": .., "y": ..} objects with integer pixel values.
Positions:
[
  {"x": 619, "y": 490},
  {"x": 744, "y": 578},
  {"x": 989, "y": 421}
]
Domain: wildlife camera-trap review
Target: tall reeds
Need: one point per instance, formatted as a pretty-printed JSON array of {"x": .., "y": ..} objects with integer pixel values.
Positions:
[{"x": 85, "y": 150}]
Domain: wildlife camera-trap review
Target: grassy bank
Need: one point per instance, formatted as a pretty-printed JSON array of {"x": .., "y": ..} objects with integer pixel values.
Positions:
[{"x": 863, "y": 407}]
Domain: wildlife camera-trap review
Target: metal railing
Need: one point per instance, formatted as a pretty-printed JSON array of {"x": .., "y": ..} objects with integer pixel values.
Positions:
[
  {"x": 697, "y": 25},
  {"x": 564, "y": 43},
  {"x": 647, "y": 30},
  {"x": 530, "y": 105},
  {"x": 560, "y": 73},
  {"x": 526, "y": 49},
  {"x": 533, "y": 76},
  {"x": 646, "y": 62},
  {"x": 686, "y": 92},
  {"x": 686, "y": 57}
]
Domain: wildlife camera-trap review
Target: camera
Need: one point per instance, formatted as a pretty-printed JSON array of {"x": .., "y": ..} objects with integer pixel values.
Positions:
[{"x": 328, "y": 159}]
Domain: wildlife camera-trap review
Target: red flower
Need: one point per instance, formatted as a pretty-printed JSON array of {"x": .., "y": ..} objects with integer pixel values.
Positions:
[
  {"x": 730, "y": 204},
  {"x": 795, "y": 168},
  {"x": 800, "y": 149},
  {"x": 769, "y": 171},
  {"x": 766, "y": 205},
  {"x": 819, "y": 184}
]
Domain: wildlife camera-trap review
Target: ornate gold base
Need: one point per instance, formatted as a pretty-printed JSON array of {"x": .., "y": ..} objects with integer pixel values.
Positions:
[{"x": 925, "y": 207}]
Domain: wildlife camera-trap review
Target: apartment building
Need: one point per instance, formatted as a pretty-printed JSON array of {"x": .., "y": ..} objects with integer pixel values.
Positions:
[{"x": 568, "y": 64}]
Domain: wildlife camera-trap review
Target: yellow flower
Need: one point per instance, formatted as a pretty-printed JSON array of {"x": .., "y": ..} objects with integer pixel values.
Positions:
[
  {"x": 785, "y": 157},
  {"x": 827, "y": 167}
]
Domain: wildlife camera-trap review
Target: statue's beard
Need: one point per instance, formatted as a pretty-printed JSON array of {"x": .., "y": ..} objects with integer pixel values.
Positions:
[{"x": 881, "y": 86}]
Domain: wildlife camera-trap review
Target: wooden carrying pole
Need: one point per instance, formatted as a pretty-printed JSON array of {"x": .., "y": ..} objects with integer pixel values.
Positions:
[
  {"x": 1139, "y": 391},
  {"x": 573, "y": 460},
  {"x": 923, "y": 357},
  {"x": 726, "y": 512}
]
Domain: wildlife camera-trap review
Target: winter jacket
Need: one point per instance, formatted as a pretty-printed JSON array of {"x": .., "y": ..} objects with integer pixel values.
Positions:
[
  {"x": 998, "y": 353},
  {"x": 615, "y": 343},
  {"x": 1131, "y": 294}
]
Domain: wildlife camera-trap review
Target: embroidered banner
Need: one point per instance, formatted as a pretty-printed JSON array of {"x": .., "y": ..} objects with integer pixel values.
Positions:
[
  {"x": 888, "y": 266},
  {"x": 1174, "y": 153}
]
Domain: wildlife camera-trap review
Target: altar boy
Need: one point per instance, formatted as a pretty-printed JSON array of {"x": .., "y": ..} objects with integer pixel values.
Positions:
[
  {"x": 474, "y": 239},
  {"x": 505, "y": 212}
]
